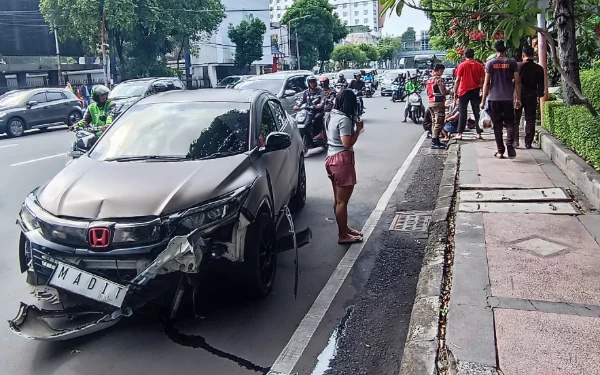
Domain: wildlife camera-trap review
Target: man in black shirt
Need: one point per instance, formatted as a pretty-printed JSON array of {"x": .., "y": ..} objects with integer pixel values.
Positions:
[
  {"x": 358, "y": 84},
  {"x": 532, "y": 89}
]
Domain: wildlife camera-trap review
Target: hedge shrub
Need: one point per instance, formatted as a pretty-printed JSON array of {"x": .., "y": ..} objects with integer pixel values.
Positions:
[
  {"x": 576, "y": 128},
  {"x": 590, "y": 85}
]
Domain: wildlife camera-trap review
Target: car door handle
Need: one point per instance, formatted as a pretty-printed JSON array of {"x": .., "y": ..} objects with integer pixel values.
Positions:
[{"x": 46, "y": 107}]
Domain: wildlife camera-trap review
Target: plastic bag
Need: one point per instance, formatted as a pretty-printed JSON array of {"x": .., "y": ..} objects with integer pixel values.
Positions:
[{"x": 485, "y": 121}]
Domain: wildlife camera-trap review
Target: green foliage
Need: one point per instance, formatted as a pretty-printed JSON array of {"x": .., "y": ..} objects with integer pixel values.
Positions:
[
  {"x": 141, "y": 32},
  {"x": 346, "y": 54},
  {"x": 590, "y": 85},
  {"x": 388, "y": 47},
  {"x": 371, "y": 52},
  {"x": 248, "y": 38},
  {"x": 318, "y": 29},
  {"x": 410, "y": 35}
]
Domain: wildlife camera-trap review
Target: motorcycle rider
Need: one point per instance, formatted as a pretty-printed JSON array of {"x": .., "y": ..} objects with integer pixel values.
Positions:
[
  {"x": 328, "y": 102},
  {"x": 101, "y": 113},
  {"x": 411, "y": 86},
  {"x": 342, "y": 80},
  {"x": 358, "y": 84},
  {"x": 313, "y": 92}
]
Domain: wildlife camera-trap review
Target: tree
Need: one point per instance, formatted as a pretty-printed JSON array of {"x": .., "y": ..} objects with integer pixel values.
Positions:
[
  {"x": 370, "y": 51},
  {"x": 141, "y": 32},
  {"x": 346, "y": 54},
  {"x": 248, "y": 38},
  {"x": 516, "y": 20},
  {"x": 318, "y": 29},
  {"x": 410, "y": 35},
  {"x": 388, "y": 47}
]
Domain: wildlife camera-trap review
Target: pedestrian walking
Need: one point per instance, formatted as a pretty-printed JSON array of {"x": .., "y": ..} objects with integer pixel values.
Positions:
[
  {"x": 436, "y": 93},
  {"x": 532, "y": 89},
  {"x": 85, "y": 92},
  {"x": 341, "y": 137},
  {"x": 503, "y": 98},
  {"x": 470, "y": 75}
]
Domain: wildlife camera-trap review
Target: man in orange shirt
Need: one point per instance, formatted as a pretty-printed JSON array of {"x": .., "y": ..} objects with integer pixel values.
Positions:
[{"x": 469, "y": 80}]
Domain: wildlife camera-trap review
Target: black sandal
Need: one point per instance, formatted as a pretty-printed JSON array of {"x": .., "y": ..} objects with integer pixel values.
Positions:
[{"x": 499, "y": 155}]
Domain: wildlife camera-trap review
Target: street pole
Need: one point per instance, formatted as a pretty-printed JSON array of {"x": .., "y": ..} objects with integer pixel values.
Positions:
[
  {"x": 543, "y": 52},
  {"x": 104, "y": 60},
  {"x": 289, "y": 30},
  {"x": 297, "y": 51},
  {"x": 60, "y": 78}
]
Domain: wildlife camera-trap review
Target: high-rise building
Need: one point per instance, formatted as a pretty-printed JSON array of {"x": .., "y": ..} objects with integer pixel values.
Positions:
[
  {"x": 424, "y": 40},
  {"x": 351, "y": 12}
]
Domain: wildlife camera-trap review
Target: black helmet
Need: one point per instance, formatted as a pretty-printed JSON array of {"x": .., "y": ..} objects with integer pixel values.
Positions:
[
  {"x": 357, "y": 74},
  {"x": 311, "y": 78},
  {"x": 341, "y": 75},
  {"x": 98, "y": 91}
]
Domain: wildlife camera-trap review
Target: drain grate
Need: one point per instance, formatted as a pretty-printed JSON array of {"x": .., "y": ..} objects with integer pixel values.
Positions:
[{"x": 411, "y": 221}]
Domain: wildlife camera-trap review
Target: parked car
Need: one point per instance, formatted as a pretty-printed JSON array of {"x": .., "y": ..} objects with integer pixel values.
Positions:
[
  {"x": 37, "y": 109},
  {"x": 284, "y": 85},
  {"x": 331, "y": 76},
  {"x": 388, "y": 78},
  {"x": 179, "y": 182},
  {"x": 230, "y": 81},
  {"x": 126, "y": 93}
]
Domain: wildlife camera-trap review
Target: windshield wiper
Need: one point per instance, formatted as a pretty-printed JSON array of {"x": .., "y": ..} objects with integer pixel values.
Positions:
[
  {"x": 147, "y": 157},
  {"x": 217, "y": 155}
]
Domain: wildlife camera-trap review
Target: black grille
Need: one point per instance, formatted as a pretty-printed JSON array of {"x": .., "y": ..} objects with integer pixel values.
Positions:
[{"x": 43, "y": 267}]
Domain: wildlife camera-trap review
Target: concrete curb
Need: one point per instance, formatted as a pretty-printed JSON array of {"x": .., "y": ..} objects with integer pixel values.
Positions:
[
  {"x": 586, "y": 178},
  {"x": 420, "y": 350}
]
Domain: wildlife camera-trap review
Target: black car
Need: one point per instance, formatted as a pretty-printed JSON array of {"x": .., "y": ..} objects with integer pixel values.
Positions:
[
  {"x": 128, "y": 92},
  {"x": 181, "y": 181},
  {"x": 37, "y": 109}
]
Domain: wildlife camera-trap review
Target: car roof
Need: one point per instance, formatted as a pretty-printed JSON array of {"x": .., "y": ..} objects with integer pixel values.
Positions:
[
  {"x": 284, "y": 73},
  {"x": 149, "y": 79},
  {"x": 205, "y": 95}
]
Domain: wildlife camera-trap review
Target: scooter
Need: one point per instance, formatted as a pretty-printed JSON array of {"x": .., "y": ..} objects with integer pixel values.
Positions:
[
  {"x": 340, "y": 87},
  {"x": 85, "y": 138},
  {"x": 305, "y": 118},
  {"x": 359, "y": 102},
  {"x": 396, "y": 93},
  {"x": 415, "y": 106},
  {"x": 369, "y": 89}
]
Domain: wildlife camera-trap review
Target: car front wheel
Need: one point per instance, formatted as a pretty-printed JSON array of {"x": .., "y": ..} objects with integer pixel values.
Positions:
[
  {"x": 74, "y": 118},
  {"x": 15, "y": 127},
  {"x": 260, "y": 260}
]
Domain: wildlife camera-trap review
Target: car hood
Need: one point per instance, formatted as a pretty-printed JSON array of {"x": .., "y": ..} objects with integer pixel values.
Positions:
[
  {"x": 9, "y": 108},
  {"x": 95, "y": 190}
]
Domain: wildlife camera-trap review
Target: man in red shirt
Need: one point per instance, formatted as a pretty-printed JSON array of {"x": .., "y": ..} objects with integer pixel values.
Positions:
[{"x": 469, "y": 80}]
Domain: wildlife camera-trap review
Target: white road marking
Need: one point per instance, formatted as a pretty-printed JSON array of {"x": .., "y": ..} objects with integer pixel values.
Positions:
[
  {"x": 34, "y": 160},
  {"x": 14, "y": 144},
  {"x": 292, "y": 352}
]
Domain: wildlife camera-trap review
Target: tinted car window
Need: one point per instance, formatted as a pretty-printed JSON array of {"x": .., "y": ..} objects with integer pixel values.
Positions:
[
  {"x": 271, "y": 85},
  {"x": 178, "y": 84},
  {"x": 53, "y": 95},
  {"x": 128, "y": 90},
  {"x": 267, "y": 124},
  {"x": 39, "y": 97},
  {"x": 193, "y": 130},
  {"x": 282, "y": 119}
]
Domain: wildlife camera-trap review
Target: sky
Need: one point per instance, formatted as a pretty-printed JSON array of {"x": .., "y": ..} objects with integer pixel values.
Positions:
[{"x": 395, "y": 25}]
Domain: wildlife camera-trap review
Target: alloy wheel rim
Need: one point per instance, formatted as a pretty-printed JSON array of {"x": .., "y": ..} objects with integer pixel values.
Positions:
[{"x": 16, "y": 127}]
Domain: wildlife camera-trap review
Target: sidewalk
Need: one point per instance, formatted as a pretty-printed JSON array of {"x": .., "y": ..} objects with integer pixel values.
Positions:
[{"x": 525, "y": 295}]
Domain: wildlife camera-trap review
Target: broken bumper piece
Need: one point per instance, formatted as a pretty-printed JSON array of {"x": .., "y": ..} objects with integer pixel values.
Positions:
[{"x": 35, "y": 323}]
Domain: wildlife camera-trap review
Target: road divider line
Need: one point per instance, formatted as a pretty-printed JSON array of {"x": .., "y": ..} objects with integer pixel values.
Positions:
[
  {"x": 285, "y": 363},
  {"x": 12, "y": 145},
  {"x": 40, "y": 159}
]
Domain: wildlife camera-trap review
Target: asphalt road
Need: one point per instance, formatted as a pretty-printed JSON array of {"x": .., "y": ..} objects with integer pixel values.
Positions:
[{"x": 232, "y": 336}]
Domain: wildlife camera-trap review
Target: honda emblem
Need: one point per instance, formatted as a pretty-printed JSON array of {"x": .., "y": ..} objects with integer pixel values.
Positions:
[{"x": 99, "y": 238}]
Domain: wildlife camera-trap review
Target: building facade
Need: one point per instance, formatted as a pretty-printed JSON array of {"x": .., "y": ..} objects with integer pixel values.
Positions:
[
  {"x": 351, "y": 12},
  {"x": 215, "y": 57}
]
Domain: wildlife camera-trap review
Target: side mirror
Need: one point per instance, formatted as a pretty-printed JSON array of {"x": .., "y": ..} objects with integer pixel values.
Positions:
[
  {"x": 288, "y": 92},
  {"x": 31, "y": 103},
  {"x": 277, "y": 141}
]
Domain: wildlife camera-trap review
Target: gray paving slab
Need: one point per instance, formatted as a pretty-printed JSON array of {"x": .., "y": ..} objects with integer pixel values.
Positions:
[
  {"x": 554, "y": 208},
  {"x": 554, "y": 173},
  {"x": 470, "y": 334},
  {"x": 514, "y": 195},
  {"x": 592, "y": 224},
  {"x": 565, "y": 308},
  {"x": 470, "y": 281}
]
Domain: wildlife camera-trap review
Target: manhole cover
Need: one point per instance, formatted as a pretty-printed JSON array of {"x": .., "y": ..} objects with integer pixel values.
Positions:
[{"x": 411, "y": 221}]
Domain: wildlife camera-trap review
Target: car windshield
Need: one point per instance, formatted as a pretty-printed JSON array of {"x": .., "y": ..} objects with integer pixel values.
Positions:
[
  {"x": 228, "y": 81},
  {"x": 448, "y": 71},
  {"x": 196, "y": 130},
  {"x": 271, "y": 85},
  {"x": 128, "y": 90},
  {"x": 391, "y": 75},
  {"x": 11, "y": 99}
]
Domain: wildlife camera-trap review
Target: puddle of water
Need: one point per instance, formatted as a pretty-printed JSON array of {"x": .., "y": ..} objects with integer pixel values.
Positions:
[{"x": 328, "y": 354}]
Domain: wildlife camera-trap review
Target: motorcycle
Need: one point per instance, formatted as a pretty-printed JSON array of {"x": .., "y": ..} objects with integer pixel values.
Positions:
[
  {"x": 397, "y": 91},
  {"x": 359, "y": 102},
  {"x": 369, "y": 89},
  {"x": 85, "y": 138},
  {"x": 340, "y": 87},
  {"x": 305, "y": 118},
  {"x": 415, "y": 106}
]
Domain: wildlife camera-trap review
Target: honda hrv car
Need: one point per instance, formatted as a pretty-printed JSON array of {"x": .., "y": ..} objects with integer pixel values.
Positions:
[{"x": 179, "y": 181}]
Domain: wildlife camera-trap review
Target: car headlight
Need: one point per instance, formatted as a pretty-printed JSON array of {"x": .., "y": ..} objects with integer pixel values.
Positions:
[
  {"x": 2, "y": 114},
  {"x": 140, "y": 234},
  {"x": 28, "y": 219},
  {"x": 215, "y": 211}
]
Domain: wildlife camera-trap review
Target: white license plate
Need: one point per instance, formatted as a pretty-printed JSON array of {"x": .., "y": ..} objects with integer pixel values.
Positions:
[{"x": 88, "y": 285}]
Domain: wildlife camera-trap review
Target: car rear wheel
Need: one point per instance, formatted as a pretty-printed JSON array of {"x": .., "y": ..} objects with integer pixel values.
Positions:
[
  {"x": 298, "y": 200},
  {"x": 260, "y": 261},
  {"x": 15, "y": 127}
]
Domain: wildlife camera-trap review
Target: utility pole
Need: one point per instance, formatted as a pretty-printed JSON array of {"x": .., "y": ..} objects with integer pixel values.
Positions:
[
  {"x": 104, "y": 59},
  {"x": 60, "y": 77},
  {"x": 297, "y": 51},
  {"x": 543, "y": 51},
  {"x": 289, "y": 30}
]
